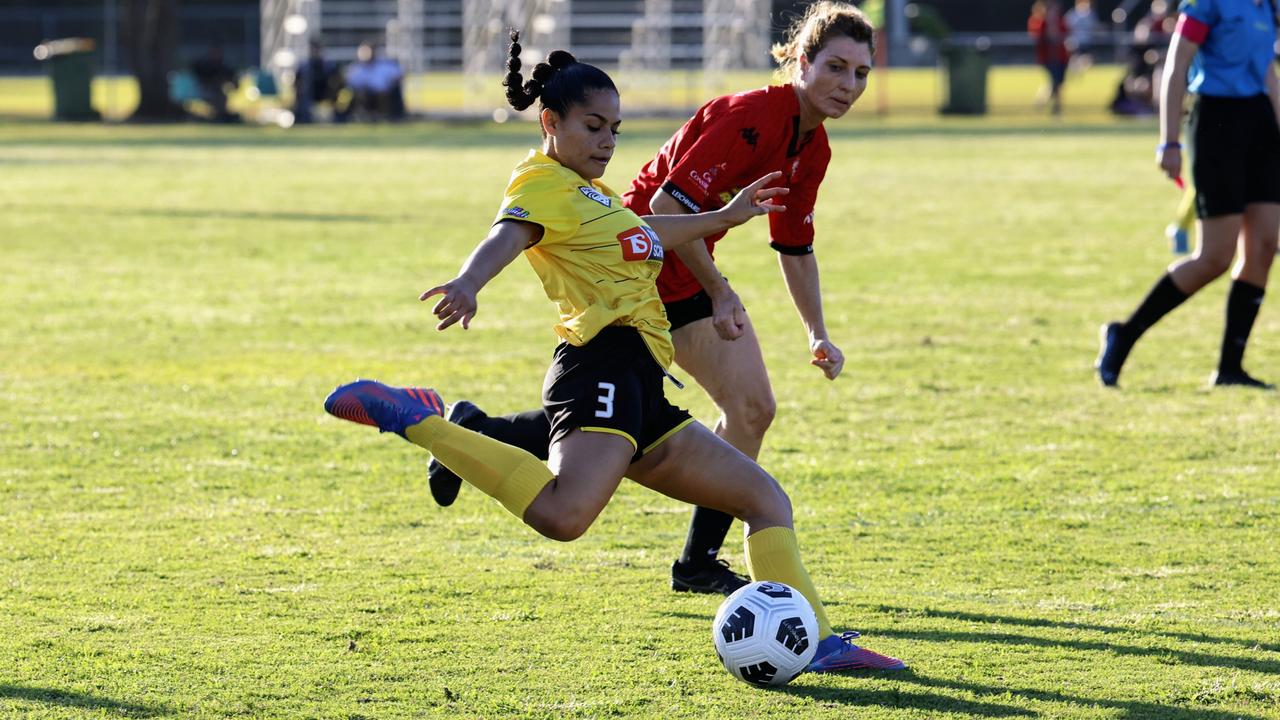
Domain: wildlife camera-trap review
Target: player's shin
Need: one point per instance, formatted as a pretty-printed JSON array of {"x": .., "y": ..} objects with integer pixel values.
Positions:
[
  {"x": 508, "y": 474},
  {"x": 773, "y": 554}
]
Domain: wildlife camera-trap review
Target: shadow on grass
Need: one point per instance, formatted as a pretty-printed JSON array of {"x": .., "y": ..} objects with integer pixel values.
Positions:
[
  {"x": 1128, "y": 709},
  {"x": 1185, "y": 657},
  {"x": 69, "y": 699},
  {"x": 215, "y": 214},
  {"x": 931, "y": 703},
  {"x": 1073, "y": 625}
]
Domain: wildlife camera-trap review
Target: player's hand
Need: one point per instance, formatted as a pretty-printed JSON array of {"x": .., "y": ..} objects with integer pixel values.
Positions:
[
  {"x": 755, "y": 199},
  {"x": 826, "y": 357},
  {"x": 457, "y": 304},
  {"x": 728, "y": 316},
  {"x": 1170, "y": 161}
]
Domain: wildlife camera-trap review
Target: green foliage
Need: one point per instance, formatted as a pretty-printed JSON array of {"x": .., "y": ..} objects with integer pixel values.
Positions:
[{"x": 184, "y": 533}]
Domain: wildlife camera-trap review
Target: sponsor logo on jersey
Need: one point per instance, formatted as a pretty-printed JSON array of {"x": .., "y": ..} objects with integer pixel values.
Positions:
[
  {"x": 640, "y": 243},
  {"x": 808, "y": 219},
  {"x": 750, "y": 136},
  {"x": 594, "y": 194},
  {"x": 516, "y": 211},
  {"x": 681, "y": 198},
  {"x": 706, "y": 177}
]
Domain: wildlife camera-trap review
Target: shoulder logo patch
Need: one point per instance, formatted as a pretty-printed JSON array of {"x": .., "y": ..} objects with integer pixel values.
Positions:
[
  {"x": 516, "y": 211},
  {"x": 594, "y": 194}
]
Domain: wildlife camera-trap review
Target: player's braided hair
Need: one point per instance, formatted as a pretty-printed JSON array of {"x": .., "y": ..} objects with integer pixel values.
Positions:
[
  {"x": 813, "y": 30},
  {"x": 560, "y": 82}
]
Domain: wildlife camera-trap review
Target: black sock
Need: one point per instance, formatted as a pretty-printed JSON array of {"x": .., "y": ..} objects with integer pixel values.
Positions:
[
  {"x": 1164, "y": 297},
  {"x": 529, "y": 431},
  {"x": 707, "y": 532},
  {"x": 1243, "y": 303}
]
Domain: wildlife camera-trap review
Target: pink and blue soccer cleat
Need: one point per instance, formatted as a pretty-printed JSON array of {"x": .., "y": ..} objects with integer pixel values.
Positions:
[
  {"x": 837, "y": 653},
  {"x": 390, "y": 409}
]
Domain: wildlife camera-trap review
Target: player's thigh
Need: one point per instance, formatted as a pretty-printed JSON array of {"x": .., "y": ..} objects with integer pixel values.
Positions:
[
  {"x": 588, "y": 467},
  {"x": 731, "y": 371},
  {"x": 697, "y": 467}
]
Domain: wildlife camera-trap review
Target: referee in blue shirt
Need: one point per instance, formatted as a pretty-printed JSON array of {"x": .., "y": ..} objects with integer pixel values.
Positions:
[{"x": 1222, "y": 50}]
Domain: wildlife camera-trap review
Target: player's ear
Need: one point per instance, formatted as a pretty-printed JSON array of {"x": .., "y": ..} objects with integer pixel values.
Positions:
[{"x": 550, "y": 121}]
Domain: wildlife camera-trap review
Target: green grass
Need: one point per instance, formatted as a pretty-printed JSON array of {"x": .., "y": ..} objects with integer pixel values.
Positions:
[
  {"x": 1011, "y": 91},
  {"x": 184, "y": 533}
]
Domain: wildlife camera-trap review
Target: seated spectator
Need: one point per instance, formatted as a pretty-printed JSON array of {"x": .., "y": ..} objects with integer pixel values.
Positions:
[
  {"x": 319, "y": 81},
  {"x": 215, "y": 81},
  {"x": 375, "y": 83}
]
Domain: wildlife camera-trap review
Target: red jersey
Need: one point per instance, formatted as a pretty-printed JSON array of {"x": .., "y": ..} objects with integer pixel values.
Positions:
[{"x": 728, "y": 144}]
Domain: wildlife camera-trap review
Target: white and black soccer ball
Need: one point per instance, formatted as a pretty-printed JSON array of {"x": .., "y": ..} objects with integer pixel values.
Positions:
[{"x": 766, "y": 633}]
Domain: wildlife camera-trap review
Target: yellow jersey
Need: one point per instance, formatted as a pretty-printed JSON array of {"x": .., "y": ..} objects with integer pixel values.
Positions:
[{"x": 598, "y": 261}]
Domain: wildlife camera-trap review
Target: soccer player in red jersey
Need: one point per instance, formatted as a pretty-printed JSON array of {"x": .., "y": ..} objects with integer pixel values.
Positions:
[{"x": 729, "y": 142}]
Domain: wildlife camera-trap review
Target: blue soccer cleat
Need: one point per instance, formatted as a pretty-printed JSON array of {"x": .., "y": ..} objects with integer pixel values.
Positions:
[
  {"x": 390, "y": 409},
  {"x": 837, "y": 653}
]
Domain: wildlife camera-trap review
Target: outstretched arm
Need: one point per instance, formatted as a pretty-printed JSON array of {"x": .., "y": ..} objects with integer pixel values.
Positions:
[
  {"x": 507, "y": 239},
  {"x": 728, "y": 317},
  {"x": 801, "y": 275},
  {"x": 755, "y": 199}
]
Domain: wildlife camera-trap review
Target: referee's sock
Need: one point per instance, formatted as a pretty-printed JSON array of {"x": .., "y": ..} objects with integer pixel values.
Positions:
[
  {"x": 1243, "y": 303},
  {"x": 1160, "y": 301},
  {"x": 773, "y": 554},
  {"x": 508, "y": 474}
]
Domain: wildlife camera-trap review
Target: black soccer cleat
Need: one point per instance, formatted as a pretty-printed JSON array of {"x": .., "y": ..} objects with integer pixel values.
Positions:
[
  {"x": 714, "y": 578},
  {"x": 1115, "y": 349},
  {"x": 444, "y": 483},
  {"x": 1239, "y": 378}
]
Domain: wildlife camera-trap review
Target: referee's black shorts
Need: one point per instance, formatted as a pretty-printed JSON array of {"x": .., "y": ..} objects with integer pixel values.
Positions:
[
  {"x": 612, "y": 384},
  {"x": 1235, "y": 154}
]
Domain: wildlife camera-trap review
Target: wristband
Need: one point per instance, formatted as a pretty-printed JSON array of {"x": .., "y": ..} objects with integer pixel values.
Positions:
[{"x": 1168, "y": 146}]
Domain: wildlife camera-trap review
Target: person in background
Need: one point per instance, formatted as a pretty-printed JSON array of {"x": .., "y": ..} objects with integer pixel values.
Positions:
[
  {"x": 376, "y": 83},
  {"x": 1048, "y": 29},
  {"x": 215, "y": 80},
  {"x": 319, "y": 81},
  {"x": 1081, "y": 26}
]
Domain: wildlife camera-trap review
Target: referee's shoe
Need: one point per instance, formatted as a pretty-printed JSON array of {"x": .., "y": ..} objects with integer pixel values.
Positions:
[
  {"x": 1115, "y": 349},
  {"x": 444, "y": 483}
]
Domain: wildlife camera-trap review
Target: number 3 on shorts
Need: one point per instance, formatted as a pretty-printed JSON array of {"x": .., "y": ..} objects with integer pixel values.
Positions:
[{"x": 605, "y": 400}]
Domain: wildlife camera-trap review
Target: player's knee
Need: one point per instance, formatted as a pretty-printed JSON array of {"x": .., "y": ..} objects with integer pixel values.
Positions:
[
  {"x": 766, "y": 502},
  {"x": 752, "y": 412},
  {"x": 1212, "y": 265},
  {"x": 559, "y": 524}
]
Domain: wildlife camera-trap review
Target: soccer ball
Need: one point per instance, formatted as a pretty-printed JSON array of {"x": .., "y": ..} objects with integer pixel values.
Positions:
[{"x": 765, "y": 633}]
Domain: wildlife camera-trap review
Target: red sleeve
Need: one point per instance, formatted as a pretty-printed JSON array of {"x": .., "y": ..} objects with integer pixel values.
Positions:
[
  {"x": 722, "y": 152},
  {"x": 791, "y": 232},
  {"x": 1192, "y": 29}
]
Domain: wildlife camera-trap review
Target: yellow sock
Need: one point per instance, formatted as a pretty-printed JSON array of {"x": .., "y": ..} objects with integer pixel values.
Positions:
[
  {"x": 772, "y": 554},
  {"x": 504, "y": 472}
]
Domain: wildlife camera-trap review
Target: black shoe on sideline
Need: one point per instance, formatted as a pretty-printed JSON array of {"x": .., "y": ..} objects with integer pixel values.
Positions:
[
  {"x": 444, "y": 484},
  {"x": 1239, "y": 378},
  {"x": 1115, "y": 349},
  {"x": 715, "y": 578}
]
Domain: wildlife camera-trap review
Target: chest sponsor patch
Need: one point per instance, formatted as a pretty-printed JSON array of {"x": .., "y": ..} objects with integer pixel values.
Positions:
[
  {"x": 639, "y": 244},
  {"x": 516, "y": 211},
  {"x": 594, "y": 194}
]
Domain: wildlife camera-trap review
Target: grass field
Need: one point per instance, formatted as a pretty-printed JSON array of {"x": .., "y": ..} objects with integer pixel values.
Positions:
[
  {"x": 185, "y": 533},
  {"x": 1011, "y": 91}
]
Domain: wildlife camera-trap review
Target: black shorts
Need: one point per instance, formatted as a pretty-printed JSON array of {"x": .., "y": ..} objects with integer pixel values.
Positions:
[
  {"x": 1235, "y": 154},
  {"x": 691, "y": 309},
  {"x": 612, "y": 384}
]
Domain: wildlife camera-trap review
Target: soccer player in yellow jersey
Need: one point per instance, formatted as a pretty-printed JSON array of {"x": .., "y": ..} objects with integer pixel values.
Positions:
[{"x": 598, "y": 262}]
